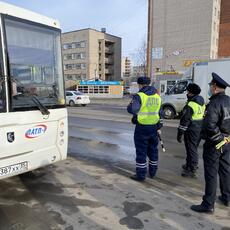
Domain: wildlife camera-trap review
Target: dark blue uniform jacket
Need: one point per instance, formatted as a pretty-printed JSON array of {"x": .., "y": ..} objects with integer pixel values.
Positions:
[{"x": 135, "y": 106}]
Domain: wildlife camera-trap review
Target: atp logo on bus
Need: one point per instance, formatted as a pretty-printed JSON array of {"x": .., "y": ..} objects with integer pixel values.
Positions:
[{"x": 36, "y": 131}]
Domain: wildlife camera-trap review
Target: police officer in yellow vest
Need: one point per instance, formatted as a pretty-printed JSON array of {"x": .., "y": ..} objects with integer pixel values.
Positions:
[
  {"x": 147, "y": 116},
  {"x": 190, "y": 126}
]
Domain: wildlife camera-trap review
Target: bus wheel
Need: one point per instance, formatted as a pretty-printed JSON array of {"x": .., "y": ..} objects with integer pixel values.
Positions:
[
  {"x": 71, "y": 103},
  {"x": 169, "y": 112}
]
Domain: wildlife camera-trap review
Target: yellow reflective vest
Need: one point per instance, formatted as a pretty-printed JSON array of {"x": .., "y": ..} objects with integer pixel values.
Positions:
[
  {"x": 149, "y": 111},
  {"x": 198, "y": 110}
]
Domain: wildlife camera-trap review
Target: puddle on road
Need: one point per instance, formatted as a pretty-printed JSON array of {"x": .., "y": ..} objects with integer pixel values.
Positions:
[
  {"x": 36, "y": 195},
  {"x": 57, "y": 217},
  {"x": 51, "y": 193},
  {"x": 132, "y": 209},
  {"x": 104, "y": 131},
  {"x": 112, "y": 152},
  {"x": 22, "y": 217}
]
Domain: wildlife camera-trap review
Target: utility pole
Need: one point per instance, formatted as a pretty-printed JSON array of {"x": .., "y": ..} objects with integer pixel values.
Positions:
[{"x": 150, "y": 38}]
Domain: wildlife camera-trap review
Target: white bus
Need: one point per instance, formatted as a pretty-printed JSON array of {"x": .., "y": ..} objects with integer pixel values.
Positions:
[{"x": 33, "y": 117}]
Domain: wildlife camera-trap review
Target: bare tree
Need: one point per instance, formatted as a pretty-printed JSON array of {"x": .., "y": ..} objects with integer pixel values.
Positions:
[{"x": 140, "y": 57}]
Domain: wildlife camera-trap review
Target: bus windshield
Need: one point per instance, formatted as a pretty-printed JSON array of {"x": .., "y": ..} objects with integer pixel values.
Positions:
[{"x": 35, "y": 66}]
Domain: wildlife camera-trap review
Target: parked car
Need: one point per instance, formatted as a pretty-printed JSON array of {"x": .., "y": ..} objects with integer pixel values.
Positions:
[{"x": 76, "y": 98}]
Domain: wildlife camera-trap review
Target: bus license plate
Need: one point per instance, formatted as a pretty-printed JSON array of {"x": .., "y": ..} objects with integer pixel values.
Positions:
[{"x": 14, "y": 169}]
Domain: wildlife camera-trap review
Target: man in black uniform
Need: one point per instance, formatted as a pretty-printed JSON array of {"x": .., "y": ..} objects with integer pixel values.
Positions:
[
  {"x": 216, "y": 153},
  {"x": 190, "y": 126}
]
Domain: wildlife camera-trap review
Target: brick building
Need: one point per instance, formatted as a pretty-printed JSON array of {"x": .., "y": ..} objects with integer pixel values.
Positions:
[{"x": 224, "y": 34}]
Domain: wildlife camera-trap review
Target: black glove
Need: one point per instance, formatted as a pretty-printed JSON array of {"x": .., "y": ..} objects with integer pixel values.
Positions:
[
  {"x": 179, "y": 136},
  {"x": 134, "y": 120}
]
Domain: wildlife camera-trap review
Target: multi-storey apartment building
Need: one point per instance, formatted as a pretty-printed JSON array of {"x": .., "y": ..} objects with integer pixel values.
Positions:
[
  {"x": 138, "y": 71},
  {"x": 184, "y": 31},
  {"x": 224, "y": 37},
  {"x": 91, "y": 54},
  {"x": 126, "y": 67}
]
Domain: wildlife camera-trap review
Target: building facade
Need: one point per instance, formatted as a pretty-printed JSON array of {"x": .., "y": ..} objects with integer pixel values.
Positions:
[
  {"x": 224, "y": 37},
  {"x": 184, "y": 32},
  {"x": 126, "y": 68},
  {"x": 138, "y": 71},
  {"x": 90, "y": 54}
]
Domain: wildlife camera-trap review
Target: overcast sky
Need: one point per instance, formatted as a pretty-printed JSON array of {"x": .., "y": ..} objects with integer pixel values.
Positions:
[{"x": 124, "y": 18}]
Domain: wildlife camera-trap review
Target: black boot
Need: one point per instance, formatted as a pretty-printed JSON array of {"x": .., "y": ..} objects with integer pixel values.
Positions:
[
  {"x": 185, "y": 167},
  {"x": 223, "y": 201},
  {"x": 136, "y": 178},
  {"x": 202, "y": 209},
  {"x": 189, "y": 173}
]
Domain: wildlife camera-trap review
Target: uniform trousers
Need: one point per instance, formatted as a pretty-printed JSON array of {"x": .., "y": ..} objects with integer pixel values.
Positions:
[
  {"x": 146, "y": 142},
  {"x": 216, "y": 162},
  {"x": 192, "y": 140}
]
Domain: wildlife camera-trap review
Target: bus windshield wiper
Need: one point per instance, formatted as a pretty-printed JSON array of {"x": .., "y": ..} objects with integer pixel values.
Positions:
[{"x": 40, "y": 106}]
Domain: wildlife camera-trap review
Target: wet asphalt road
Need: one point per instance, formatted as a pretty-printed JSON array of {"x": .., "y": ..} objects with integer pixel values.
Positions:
[{"x": 92, "y": 189}]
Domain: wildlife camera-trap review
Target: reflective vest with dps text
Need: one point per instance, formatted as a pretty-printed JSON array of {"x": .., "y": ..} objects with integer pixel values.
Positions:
[
  {"x": 149, "y": 111},
  {"x": 198, "y": 110}
]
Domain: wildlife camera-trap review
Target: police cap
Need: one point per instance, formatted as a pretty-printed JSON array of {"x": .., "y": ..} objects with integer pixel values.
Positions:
[
  {"x": 217, "y": 80},
  {"x": 143, "y": 81},
  {"x": 193, "y": 88}
]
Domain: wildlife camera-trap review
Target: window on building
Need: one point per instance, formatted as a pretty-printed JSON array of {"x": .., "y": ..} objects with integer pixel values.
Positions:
[
  {"x": 106, "y": 89},
  {"x": 82, "y": 55},
  {"x": 66, "y": 46},
  {"x": 101, "y": 89},
  {"x": 83, "y": 44},
  {"x": 91, "y": 89},
  {"x": 69, "y": 77},
  {"x": 94, "y": 89},
  {"x": 83, "y": 89},
  {"x": 68, "y": 66},
  {"x": 78, "y": 66},
  {"x": 76, "y": 56},
  {"x": 67, "y": 56}
]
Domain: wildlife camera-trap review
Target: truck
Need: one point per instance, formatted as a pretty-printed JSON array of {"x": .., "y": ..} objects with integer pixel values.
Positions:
[{"x": 200, "y": 73}]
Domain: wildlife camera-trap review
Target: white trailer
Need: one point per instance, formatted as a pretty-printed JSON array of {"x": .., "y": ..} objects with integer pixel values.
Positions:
[{"x": 200, "y": 73}]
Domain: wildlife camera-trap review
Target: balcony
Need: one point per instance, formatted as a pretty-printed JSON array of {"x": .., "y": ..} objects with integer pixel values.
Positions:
[
  {"x": 109, "y": 71},
  {"x": 109, "y": 50},
  {"x": 109, "y": 61}
]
